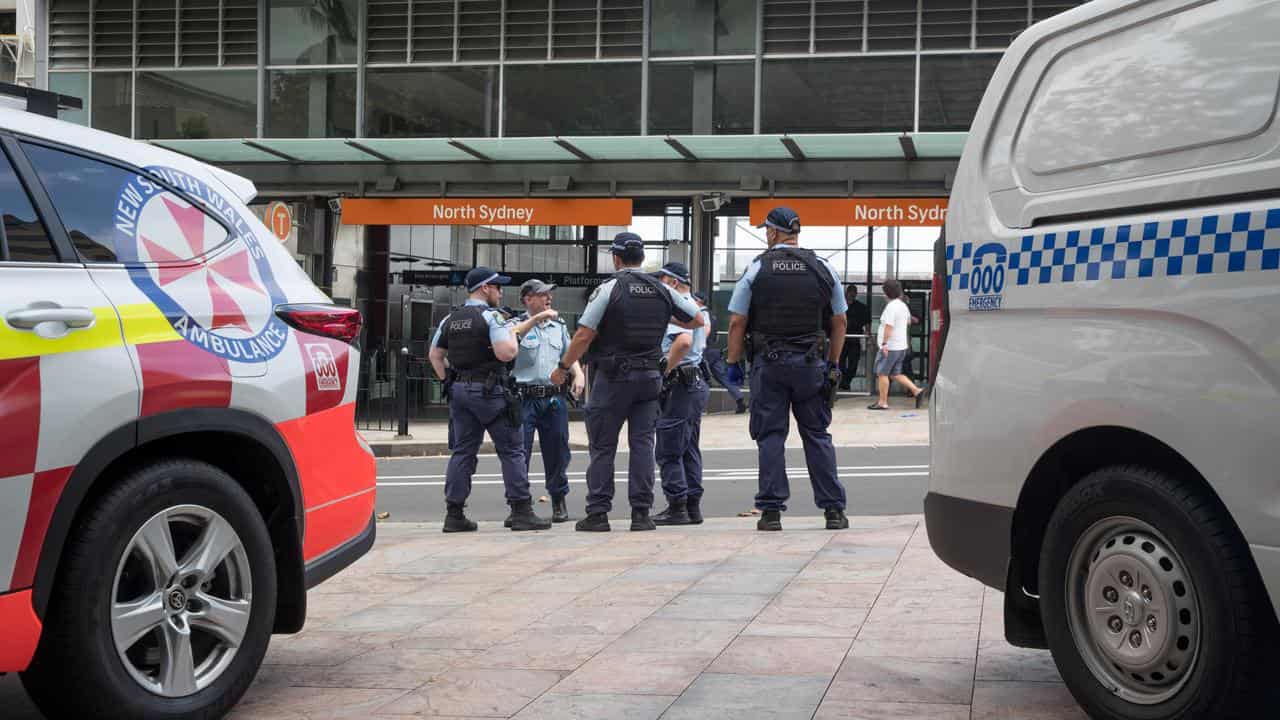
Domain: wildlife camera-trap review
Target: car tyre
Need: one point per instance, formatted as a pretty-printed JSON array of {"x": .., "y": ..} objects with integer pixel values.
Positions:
[
  {"x": 1162, "y": 550},
  {"x": 80, "y": 669}
]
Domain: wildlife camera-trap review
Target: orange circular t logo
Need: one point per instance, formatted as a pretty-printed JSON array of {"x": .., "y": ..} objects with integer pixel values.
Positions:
[{"x": 280, "y": 220}]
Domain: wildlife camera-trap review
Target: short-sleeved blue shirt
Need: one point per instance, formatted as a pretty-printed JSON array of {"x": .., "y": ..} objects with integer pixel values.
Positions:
[
  {"x": 499, "y": 330},
  {"x": 740, "y": 301},
  {"x": 599, "y": 302},
  {"x": 699, "y": 340},
  {"x": 540, "y": 352}
]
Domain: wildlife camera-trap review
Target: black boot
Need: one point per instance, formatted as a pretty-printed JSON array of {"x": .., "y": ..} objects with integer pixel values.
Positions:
[
  {"x": 507, "y": 523},
  {"x": 523, "y": 517},
  {"x": 742, "y": 407},
  {"x": 836, "y": 519},
  {"x": 593, "y": 522},
  {"x": 675, "y": 514},
  {"x": 770, "y": 520},
  {"x": 559, "y": 509},
  {"x": 640, "y": 520},
  {"x": 693, "y": 505},
  {"x": 456, "y": 521}
]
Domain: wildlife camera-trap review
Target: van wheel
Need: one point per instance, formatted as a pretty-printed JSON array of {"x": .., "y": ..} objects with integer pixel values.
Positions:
[
  {"x": 1151, "y": 604},
  {"x": 164, "y": 601}
]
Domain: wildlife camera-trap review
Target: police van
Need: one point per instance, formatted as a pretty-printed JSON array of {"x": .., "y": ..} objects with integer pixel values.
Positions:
[
  {"x": 1106, "y": 406},
  {"x": 178, "y": 458}
]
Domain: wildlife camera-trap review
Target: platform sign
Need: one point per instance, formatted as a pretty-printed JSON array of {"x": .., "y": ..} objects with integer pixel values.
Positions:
[
  {"x": 842, "y": 212},
  {"x": 486, "y": 211}
]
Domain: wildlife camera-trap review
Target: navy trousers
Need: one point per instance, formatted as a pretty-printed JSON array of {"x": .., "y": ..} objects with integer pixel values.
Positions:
[
  {"x": 549, "y": 418},
  {"x": 792, "y": 385},
  {"x": 720, "y": 371},
  {"x": 630, "y": 398},
  {"x": 679, "y": 432},
  {"x": 472, "y": 412}
]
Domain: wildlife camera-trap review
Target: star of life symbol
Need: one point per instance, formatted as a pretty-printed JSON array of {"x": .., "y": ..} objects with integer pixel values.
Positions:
[
  {"x": 216, "y": 288},
  {"x": 326, "y": 369}
]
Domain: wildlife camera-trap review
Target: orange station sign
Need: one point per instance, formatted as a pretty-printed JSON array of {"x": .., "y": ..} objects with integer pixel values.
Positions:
[
  {"x": 486, "y": 211},
  {"x": 839, "y": 212}
]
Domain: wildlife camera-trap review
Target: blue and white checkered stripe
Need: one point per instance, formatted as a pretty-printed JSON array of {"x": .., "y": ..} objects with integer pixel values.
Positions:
[{"x": 1233, "y": 242}]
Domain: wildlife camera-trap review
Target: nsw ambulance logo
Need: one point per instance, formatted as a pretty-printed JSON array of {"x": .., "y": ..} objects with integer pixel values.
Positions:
[{"x": 202, "y": 265}]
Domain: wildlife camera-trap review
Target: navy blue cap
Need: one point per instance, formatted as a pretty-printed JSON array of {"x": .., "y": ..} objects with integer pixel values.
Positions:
[
  {"x": 700, "y": 296},
  {"x": 625, "y": 241},
  {"x": 676, "y": 270},
  {"x": 481, "y": 276},
  {"x": 784, "y": 219}
]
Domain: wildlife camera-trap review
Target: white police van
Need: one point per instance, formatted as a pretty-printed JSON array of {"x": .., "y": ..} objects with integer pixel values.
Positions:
[{"x": 1106, "y": 406}]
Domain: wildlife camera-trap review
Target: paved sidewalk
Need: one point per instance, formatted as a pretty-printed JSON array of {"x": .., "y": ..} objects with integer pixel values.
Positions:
[
  {"x": 717, "y": 621},
  {"x": 852, "y": 425}
]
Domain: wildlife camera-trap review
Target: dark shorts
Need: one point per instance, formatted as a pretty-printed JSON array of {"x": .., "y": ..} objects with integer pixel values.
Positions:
[{"x": 890, "y": 364}]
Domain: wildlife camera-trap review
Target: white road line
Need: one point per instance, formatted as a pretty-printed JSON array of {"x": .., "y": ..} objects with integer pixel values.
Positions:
[
  {"x": 707, "y": 473},
  {"x": 706, "y": 478}
]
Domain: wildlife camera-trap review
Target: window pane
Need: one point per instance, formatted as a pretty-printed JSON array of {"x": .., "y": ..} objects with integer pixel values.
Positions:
[
  {"x": 951, "y": 86},
  {"x": 444, "y": 102},
  {"x": 75, "y": 85},
  {"x": 24, "y": 234},
  {"x": 111, "y": 97},
  {"x": 703, "y": 27},
  {"x": 596, "y": 99},
  {"x": 701, "y": 98},
  {"x": 838, "y": 95},
  {"x": 205, "y": 104},
  {"x": 308, "y": 32},
  {"x": 311, "y": 103},
  {"x": 92, "y": 198}
]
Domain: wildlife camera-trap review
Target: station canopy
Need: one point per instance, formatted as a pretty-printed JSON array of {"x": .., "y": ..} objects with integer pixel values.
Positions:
[{"x": 710, "y": 148}]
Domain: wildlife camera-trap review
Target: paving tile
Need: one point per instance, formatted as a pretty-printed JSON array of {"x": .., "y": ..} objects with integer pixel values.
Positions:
[
  {"x": 782, "y": 656},
  {"x": 462, "y": 634},
  {"x": 320, "y": 647},
  {"x": 455, "y": 589},
  {"x": 859, "y": 553},
  {"x": 704, "y": 637},
  {"x": 537, "y": 649},
  {"x": 859, "y": 710},
  {"x": 669, "y": 572},
  {"x": 956, "y": 641},
  {"x": 392, "y": 618},
  {"x": 435, "y": 565},
  {"x": 311, "y": 703},
  {"x": 903, "y": 680},
  {"x": 713, "y": 607},
  {"x": 386, "y": 668},
  {"x": 379, "y": 583},
  {"x": 596, "y": 706},
  {"x": 915, "y": 607},
  {"x": 802, "y": 593},
  {"x": 731, "y": 697},
  {"x": 632, "y": 592},
  {"x": 998, "y": 660},
  {"x": 744, "y": 582},
  {"x": 766, "y": 561},
  {"x": 1024, "y": 701},
  {"x": 607, "y": 620},
  {"x": 635, "y": 673},
  {"x": 474, "y": 692},
  {"x": 812, "y": 622},
  {"x": 571, "y": 582},
  {"x": 838, "y": 572}
]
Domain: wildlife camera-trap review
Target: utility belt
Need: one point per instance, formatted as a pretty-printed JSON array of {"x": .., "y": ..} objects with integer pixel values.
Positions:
[
  {"x": 616, "y": 366},
  {"x": 688, "y": 375},
  {"x": 530, "y": 390},
  {"x": 771, "y": 348},
  {"x": 489, "y": 377}
]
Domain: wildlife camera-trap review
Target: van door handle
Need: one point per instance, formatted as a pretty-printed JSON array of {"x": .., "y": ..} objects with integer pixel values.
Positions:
[{"x": 50, "y": 320}]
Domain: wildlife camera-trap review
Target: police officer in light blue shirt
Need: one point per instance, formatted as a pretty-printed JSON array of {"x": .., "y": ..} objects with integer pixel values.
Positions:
[
  {"x": 685, "y": 397},
  {"x": 546, "y": 412},
  {"x": 471, "y": 349},
  {"x": 792, "y": 303},
  {"x": 623, "y": 326}
]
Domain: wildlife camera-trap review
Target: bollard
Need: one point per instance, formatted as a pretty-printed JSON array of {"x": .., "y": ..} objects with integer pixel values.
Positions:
[{"x": 402, "y": 394}]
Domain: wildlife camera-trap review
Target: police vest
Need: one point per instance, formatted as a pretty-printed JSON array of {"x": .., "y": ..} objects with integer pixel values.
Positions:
[
  {"x": 466, "y": 341},
  {"x": 791, "y": 294},
  {"x": 636, "y": 319}
]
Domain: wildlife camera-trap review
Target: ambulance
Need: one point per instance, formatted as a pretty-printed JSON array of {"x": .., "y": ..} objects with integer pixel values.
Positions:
[
  {"x": 1106, "y": 406},
  {"x": 178, "y": 458}
]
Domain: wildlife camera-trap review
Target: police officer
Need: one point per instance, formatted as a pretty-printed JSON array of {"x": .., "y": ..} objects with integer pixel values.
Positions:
[
  {"x": 623, "y": 325},
  {"x": 478, "y": 344},
  {"x": 713, "y": 360},
  {"x": 545, "y": 410},
  {"x": 791, "y": 302},
  {"x": 684, "y": 396}
]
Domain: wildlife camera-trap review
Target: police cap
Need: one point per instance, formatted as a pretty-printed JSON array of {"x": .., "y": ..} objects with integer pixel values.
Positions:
[
  {"x": 784, "y": 219},
  {"x": 481, "y": 276}
]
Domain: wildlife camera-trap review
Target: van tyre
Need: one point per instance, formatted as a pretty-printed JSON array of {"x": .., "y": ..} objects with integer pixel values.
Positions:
[
  {"x": 164, "y": 601},
  {"x": 1151, "y": 603}
]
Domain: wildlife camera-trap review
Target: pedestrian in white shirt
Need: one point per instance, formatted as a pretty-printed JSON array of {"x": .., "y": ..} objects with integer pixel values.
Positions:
[{"x": 893, "y": 342}]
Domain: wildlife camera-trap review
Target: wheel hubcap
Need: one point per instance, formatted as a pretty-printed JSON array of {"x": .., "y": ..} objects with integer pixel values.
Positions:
[
  {"x": 1133, "y": 610},
  {"x": 181, "y": 601}
]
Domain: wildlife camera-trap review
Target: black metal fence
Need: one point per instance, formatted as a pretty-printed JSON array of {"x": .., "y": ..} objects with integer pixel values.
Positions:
[{"x": 394, "y": 390}]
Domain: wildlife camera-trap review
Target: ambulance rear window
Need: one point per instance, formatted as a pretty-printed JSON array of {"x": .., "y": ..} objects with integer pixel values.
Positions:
[{"x": 25, "y": 238}]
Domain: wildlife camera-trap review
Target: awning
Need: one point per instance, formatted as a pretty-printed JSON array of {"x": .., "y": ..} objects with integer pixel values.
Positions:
[{"x": 836, "y": 146}]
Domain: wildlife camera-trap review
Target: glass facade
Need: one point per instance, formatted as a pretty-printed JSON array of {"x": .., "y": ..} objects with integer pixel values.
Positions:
[{"x": 491, "y": 68}]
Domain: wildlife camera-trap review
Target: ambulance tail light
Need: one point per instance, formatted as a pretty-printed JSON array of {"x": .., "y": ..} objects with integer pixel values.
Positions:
[
  {"x": 939, "y": 308},
  {"x": 331, "y": 321}
]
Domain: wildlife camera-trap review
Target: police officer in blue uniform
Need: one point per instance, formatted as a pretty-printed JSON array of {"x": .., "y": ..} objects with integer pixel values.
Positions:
[
  {"x": 792, "y": 304},
  {"x": 477, "y": 344},
  {"x": 546, "y": 412},
  {"x": 622, "y": 326},
  {"x": 684, "y": 397}
]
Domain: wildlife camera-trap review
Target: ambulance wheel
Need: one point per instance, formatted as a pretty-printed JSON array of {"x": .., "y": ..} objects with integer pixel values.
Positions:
[
  {"x": 1150, "y": 601},
  {"x": 164, "y": 601}
]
